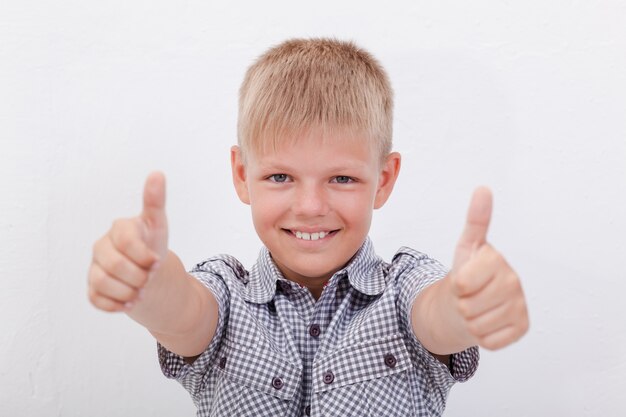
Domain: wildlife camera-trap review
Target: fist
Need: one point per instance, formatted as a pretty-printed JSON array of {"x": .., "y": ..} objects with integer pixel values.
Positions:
[
  {"x": 486, "y": 292},
  {"x": 124, "y": 258}
]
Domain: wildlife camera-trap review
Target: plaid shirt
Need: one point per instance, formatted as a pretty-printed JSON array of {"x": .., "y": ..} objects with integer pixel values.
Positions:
[{"x": 278, "y": 352}]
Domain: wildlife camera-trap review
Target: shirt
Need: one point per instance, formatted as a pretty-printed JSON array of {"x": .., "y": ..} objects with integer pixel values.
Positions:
[{"x": 279, "y": 352}]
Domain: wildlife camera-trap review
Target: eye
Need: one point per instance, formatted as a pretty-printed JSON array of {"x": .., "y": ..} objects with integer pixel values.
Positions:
[
  {"x": 278, "y": 178},
  {"x": 343, "y": 179}
]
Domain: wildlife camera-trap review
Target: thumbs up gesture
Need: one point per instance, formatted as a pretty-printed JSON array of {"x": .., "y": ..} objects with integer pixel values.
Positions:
[
  {"x": 486, "y": 293},
  {"x": 126, "y": 256}
]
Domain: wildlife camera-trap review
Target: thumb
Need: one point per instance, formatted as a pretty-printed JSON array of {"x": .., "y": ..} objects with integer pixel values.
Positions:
[
  {"x": 154, "y": 201},
  {"x": 476, "y": 225}
]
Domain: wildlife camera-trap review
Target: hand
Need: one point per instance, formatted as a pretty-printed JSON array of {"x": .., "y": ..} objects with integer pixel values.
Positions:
[
  {"x": 486, "y": 292},
  {"x": 124, "y": 258}
]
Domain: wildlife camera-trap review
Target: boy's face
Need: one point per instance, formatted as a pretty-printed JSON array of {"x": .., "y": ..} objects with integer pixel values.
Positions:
[{"x": 312, "y": 201}]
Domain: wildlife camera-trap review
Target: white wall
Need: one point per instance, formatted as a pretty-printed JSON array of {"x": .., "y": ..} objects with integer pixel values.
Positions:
[{"x": 527, "y": 97}]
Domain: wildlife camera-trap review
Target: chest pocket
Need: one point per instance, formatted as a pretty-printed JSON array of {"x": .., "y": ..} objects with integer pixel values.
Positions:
[
  {"x": 369, "y": 379},
  {"x": 253, "y": 378}
]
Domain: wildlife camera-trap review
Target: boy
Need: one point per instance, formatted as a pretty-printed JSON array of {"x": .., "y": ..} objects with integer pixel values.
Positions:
[{"x": 320, "y": 325}]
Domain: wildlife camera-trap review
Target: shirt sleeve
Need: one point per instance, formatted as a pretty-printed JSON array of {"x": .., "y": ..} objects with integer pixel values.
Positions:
[
  {"x": 415, "y": 271},
  {"x": 191, "y": 376}
]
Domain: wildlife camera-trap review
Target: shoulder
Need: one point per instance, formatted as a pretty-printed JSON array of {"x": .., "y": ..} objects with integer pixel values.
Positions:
[
  {"x": 406, "y": 254},
  {"x": 408, "y": 259},
  {"x": 223, "y": 275},
  {"x": 410, "y": 272},
  {"x": 224, "y": 266}
]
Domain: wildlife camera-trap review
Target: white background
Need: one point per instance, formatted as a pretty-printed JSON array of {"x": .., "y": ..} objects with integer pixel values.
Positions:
[{"x": 526, "y": 97}]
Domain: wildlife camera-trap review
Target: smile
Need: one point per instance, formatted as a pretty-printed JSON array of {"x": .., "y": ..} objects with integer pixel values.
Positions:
[{"x": 309, "y": 236}]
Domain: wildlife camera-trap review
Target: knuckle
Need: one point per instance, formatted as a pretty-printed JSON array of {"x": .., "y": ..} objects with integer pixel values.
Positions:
[
  {"x": 124, "y": 240},
  {"x": 121, "y": 231},
  {"x": 462, "y": 284},
  {"x": 96, "y": 277},
  {"x": 474, "y": 328},
  {"x": 511, "y": 288},
  {"x": 517, "y": 285},
  {"x": 118, "y": 264},
  {"x": 492, "y": 342},
  {"x": 125, "y": 294},
  {"x": 523, "y": 329},
  {"x": 483, "y": 342},
  {"x": 91, "y": 295},
  {"x": 524, "y": 325},
  {"x": 511, "y": 281},
  {"x": 520, "y": 305},
  {"x": 489, "y": 344},
  {"x": 136, "y": 277},
  {"x": 129, "y": 294},
  {"x": 108, "y": 307},
  {"x": 142, "y": 278},
  {"x": 101, "y": 303},
  {"x": 95, "y": 247},
  {"x": 464, "y": 308},
  {"x": 99, "y": 248}
]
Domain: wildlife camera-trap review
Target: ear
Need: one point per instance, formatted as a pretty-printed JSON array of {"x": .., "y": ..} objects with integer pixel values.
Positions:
[
  {"x": 387, "y": 179},
  {"x": 238, "y": 168}
]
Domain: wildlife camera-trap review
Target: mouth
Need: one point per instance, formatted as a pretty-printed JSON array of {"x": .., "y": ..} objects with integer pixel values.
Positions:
[{"x": 318, "y": 235}]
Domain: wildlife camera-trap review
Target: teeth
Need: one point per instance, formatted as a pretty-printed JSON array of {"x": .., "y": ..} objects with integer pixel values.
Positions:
[{"x": 310, "y": 236}]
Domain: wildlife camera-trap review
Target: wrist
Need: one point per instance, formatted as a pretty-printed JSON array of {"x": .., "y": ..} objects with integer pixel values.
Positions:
[
  {"x": 460, "y": 337},
  {"x": 448, "y": 331}
]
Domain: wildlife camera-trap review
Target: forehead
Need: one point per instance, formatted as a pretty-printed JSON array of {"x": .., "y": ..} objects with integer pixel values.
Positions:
[
  {"x": 348, "y": 142},
  {"x": 317, "y": 149}
]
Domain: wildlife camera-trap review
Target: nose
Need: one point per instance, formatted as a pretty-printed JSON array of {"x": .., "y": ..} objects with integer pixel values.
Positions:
[{"x": 310, "y": 200}]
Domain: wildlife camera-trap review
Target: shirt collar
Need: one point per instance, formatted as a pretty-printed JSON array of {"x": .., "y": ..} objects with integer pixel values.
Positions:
[
  {"x": 263, "y": 277},
  {"x": 365, "y": 272}
]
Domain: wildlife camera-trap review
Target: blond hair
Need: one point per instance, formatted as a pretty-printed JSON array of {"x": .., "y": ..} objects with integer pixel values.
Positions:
[{"x": 306, "y": 84}]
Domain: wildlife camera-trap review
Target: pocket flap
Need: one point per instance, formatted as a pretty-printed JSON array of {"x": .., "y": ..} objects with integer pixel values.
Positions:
[
  {"x": 260, "y": 368},
  {"x": 366, "y": 361}
]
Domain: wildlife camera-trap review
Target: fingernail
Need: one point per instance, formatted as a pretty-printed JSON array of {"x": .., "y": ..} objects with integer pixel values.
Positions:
[
  {"x": 155, "y": 266},
  {"x": 141, "y": 294},
  {"x": 128, "y": 305}
]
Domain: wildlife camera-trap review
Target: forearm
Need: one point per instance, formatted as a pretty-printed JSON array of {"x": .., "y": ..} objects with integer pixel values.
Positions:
[
  {"x": 436, "y": 322},
  {"x": 177, "y": 309}
]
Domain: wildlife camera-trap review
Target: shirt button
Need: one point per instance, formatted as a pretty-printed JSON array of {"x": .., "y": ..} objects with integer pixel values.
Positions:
[
  {"x": 390, "y": 360},
  {"x": 223, "y": 362},
  {"x": 277, "y": 383},
  {"x": 329, "y": 377},
  {"x": 307, "y": 410},
  {"x": 314, "y": 330}
]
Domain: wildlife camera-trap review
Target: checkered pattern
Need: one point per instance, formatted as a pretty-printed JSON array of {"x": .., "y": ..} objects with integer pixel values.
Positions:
[{"x": 265, "y": 360}]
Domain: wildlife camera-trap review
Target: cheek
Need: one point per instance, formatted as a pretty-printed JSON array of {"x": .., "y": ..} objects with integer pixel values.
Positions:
[
  {"x": 265, "y": 207},
  {"x": 356, "y": 208}
]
